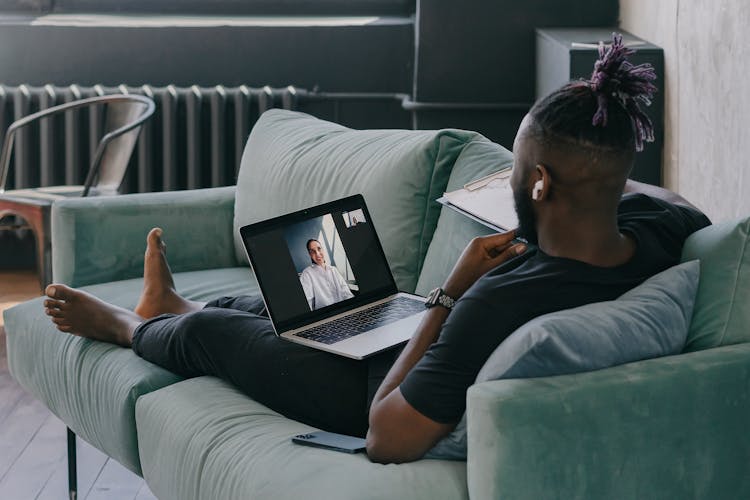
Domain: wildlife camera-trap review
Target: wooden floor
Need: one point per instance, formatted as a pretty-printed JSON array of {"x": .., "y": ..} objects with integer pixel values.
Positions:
[{"x": 33, "y": 459}]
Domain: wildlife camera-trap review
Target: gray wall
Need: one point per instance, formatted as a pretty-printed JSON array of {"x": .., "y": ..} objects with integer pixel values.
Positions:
[
  {"x": 483, "y": 51},
  {"x": 367, "y": 54},
  {"x": 376, "y": 57},
  {"x": 707, "y": 57}
]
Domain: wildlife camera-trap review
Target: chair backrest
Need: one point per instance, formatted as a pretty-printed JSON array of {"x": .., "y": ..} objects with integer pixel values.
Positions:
[
  {"x": 124, "y": 115},
  {"x": 123, "y": 122}
]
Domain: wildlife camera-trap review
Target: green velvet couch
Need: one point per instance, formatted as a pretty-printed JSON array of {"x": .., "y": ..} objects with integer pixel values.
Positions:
[{"x": 664, "y": 428}]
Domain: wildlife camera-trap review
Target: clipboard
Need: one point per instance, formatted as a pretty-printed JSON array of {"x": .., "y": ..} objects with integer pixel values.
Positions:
[{"x": 487, "y": 200}]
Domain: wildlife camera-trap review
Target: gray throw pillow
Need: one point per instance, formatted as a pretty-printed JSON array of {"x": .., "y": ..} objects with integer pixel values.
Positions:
[{"x": 649, "y": 321}]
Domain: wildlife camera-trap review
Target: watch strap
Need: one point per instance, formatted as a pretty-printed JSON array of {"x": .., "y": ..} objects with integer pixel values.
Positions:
[{"x": 439, "y": 297}]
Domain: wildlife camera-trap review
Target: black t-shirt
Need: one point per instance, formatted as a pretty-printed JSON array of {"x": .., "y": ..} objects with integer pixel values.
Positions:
[{"x": 533, "y": 284}]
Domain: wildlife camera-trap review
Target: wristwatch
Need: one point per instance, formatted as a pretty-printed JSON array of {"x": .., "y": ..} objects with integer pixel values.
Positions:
[{"x": 437, "y": 297}]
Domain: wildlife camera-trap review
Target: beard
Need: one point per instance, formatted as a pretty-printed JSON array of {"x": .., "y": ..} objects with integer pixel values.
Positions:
[{"x": 526, "y": 217}]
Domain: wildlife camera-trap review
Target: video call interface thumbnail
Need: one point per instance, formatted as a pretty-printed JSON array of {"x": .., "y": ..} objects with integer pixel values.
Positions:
[{"x": 318, "y": 262}]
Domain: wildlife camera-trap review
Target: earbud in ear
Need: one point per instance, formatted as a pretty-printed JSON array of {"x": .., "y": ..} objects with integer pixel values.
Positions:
[{"x": 538, "y": 186}]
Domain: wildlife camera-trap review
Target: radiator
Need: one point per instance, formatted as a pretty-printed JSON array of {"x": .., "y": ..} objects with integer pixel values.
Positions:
[{"x": 195, "y": 138}]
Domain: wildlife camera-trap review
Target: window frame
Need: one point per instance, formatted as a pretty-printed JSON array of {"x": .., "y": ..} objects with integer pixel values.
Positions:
[{"x": 216, "y": 7}]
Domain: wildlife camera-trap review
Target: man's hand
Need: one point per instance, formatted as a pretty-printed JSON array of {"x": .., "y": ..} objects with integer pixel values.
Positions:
[{"x": 481, "y": 255}]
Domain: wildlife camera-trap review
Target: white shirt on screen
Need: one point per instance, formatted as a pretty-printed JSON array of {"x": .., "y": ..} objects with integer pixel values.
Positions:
[{"x": 323, "y": 286}]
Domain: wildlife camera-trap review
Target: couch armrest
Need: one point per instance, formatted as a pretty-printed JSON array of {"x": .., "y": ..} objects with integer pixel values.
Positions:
[
  {"x": 673, "y": 427},
  {"x": 101, "y": 239}
]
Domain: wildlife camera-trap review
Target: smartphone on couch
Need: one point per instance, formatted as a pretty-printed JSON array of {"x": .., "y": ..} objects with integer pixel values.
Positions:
[{"x": 331, "y": 441}]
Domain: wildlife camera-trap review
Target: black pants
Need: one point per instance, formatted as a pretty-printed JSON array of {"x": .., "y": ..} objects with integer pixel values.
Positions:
[{"x": 232, "y": 340}]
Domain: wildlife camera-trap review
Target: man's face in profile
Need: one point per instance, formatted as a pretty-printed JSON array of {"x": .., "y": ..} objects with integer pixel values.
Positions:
[
  {"x": 526, "y": 217},
  {"x": 522, "y": 166},
  {"x": 316, "y": 253}
]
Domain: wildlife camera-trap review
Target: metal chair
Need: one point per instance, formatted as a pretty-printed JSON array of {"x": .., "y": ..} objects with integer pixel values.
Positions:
[{"x": 124, "y": 116}]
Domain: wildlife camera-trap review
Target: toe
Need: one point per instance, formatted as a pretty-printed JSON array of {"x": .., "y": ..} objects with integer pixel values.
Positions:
[
  {"x": 53, "y": 304},
  {"x": 57, "y": 291},
  {"x": 154, "y": 238},
  {"x": 55, "y": 313}
]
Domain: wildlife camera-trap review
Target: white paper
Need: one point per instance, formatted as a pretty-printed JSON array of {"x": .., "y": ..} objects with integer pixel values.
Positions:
[{"x": 491, "y": 201}]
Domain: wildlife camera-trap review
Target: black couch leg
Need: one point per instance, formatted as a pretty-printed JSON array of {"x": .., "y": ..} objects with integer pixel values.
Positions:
[{"x": 72, "y": 476}]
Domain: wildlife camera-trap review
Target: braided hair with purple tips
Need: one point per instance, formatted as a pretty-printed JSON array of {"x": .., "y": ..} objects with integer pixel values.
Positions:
[
  {"x": 615, "y": 77},
  {"x": 603, "y": 112}
]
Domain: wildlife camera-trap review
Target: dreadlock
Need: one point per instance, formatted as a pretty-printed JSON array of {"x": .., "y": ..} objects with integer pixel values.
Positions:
[{"x": 604, "y": 111}]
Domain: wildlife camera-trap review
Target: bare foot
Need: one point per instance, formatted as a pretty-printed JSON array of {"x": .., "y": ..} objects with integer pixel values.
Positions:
[
  {"x": 82, "y": 314},
  {"x": 159, "y": 295}
]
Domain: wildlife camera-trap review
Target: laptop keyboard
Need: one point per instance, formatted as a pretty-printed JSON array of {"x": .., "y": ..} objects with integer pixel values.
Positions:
[{"x": 363, "y": 321}]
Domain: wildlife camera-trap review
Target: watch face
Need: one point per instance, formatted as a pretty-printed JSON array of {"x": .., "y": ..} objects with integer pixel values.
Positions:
[{"x": 432, "y": 298}]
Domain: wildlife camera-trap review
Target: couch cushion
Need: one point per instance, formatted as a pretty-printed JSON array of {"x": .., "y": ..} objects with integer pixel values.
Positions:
[
  {"x": 454, "y": 231},
  {"x": 649, "y": 321},
  {"x": 93, "y": 386},
  {"x": 721, "y": 314},
  {"x": 202, "y": 438},
  {"x": 293, "y": 161}
]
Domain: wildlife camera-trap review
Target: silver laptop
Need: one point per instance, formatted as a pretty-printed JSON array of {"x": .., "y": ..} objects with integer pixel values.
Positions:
[{"x": 326, "y": 283}]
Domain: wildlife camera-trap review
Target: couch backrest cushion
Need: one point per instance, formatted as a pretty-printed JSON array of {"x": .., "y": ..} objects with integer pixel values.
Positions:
[
  {"x": 722, "y": 306},
  {"x": 454, "y": 230},
  {"x": 649, "y": 321},
  {"x": 293, "y": 161}
]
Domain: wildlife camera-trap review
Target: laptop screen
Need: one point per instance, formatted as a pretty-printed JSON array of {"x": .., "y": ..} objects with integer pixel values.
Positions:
[{"x": 318, "y": 262}]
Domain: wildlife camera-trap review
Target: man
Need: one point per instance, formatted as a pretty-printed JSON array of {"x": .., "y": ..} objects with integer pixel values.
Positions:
[
  {"x": 323, "y": 284},
  {"x": 589, "y": 243}
]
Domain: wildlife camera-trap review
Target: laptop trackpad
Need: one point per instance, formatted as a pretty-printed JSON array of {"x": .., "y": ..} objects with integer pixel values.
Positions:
[{"x": 381, "y": 338}]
